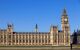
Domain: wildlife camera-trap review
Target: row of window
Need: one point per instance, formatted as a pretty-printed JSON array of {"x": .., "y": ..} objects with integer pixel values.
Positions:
[{"x": 26, "y": 41}]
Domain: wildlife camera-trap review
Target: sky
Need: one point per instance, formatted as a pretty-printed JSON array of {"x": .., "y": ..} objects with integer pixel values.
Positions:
[{"x": 25, "y": 14}]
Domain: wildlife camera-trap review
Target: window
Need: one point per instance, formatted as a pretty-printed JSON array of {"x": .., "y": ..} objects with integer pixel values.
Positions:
[
  {"x": 16, "y": 41},
  {"x": 13, "y": 41},
  {"x": 67, "y": 39},
  {"x": 20, "y": 40},
  {"x": 29, "y": 40},
  {"x": 26, "y": 41},
  {"x": 46, "y": 41},
  {"x": 42, "y": 41},
  {"x": 33, "y": 41},
  {"x": 39, "y": 40},
  {"x": 1, "y": 40},
  {"x": 9, "y": 36},
  {"x": 36, "y": 41},
  {"x": 1, "y": 36},
  {"x": 23, "y": 40}
]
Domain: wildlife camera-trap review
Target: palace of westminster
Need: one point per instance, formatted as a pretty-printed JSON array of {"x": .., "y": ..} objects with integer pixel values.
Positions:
[{"x": 55, "y": 37}]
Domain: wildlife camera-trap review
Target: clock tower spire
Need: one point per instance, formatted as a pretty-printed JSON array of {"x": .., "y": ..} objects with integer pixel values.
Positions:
[
  {"x": 64, "y": 12},
  {"x": 64, "y": 22},
  {"x": 65, "y": 27}
]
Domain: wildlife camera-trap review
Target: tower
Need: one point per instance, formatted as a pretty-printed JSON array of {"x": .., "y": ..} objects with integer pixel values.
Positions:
[
  {"x": 65, "y": 27},
  {"x": 36, "y": 28},
  {"x": 10, "y": 28},
  {"x": 54, "y": 35},
  {"x": 10, "y": 34},
  {"x": 51, "y": 35}
]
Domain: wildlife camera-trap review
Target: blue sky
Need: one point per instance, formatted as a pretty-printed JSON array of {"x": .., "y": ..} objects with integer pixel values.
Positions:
[{"x": 25, "y": 14}]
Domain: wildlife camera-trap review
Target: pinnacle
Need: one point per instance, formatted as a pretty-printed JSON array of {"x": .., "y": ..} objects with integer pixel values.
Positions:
[{"x": 64, "y": 12}]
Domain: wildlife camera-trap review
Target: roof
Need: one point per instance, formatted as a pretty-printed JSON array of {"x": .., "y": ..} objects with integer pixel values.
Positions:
[
  {"x": 2, "y": 29},
  {"x": 31, "y": 32}
]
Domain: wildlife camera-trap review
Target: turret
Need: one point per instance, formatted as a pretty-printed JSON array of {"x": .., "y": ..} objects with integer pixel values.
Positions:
[{"x": 9, "y": 28}]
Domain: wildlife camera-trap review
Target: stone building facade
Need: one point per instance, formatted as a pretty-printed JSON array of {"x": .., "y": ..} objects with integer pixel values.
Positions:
[{"x": 53, "y": 38}]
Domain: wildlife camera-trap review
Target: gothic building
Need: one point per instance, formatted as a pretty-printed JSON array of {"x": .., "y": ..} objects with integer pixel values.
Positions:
[
  {"x": 8, "y": 37},
  {"x": 75, "y": 37}
]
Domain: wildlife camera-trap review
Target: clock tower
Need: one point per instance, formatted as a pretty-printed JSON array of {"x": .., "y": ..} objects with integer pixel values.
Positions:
[{"x": 65, "y": 27}]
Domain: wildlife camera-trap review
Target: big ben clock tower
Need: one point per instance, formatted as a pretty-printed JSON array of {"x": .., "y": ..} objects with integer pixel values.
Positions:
[{"x": 65, "y": 28}]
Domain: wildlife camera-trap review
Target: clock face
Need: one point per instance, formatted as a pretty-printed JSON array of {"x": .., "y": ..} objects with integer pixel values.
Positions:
[{"x": 65, "y": 19}]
